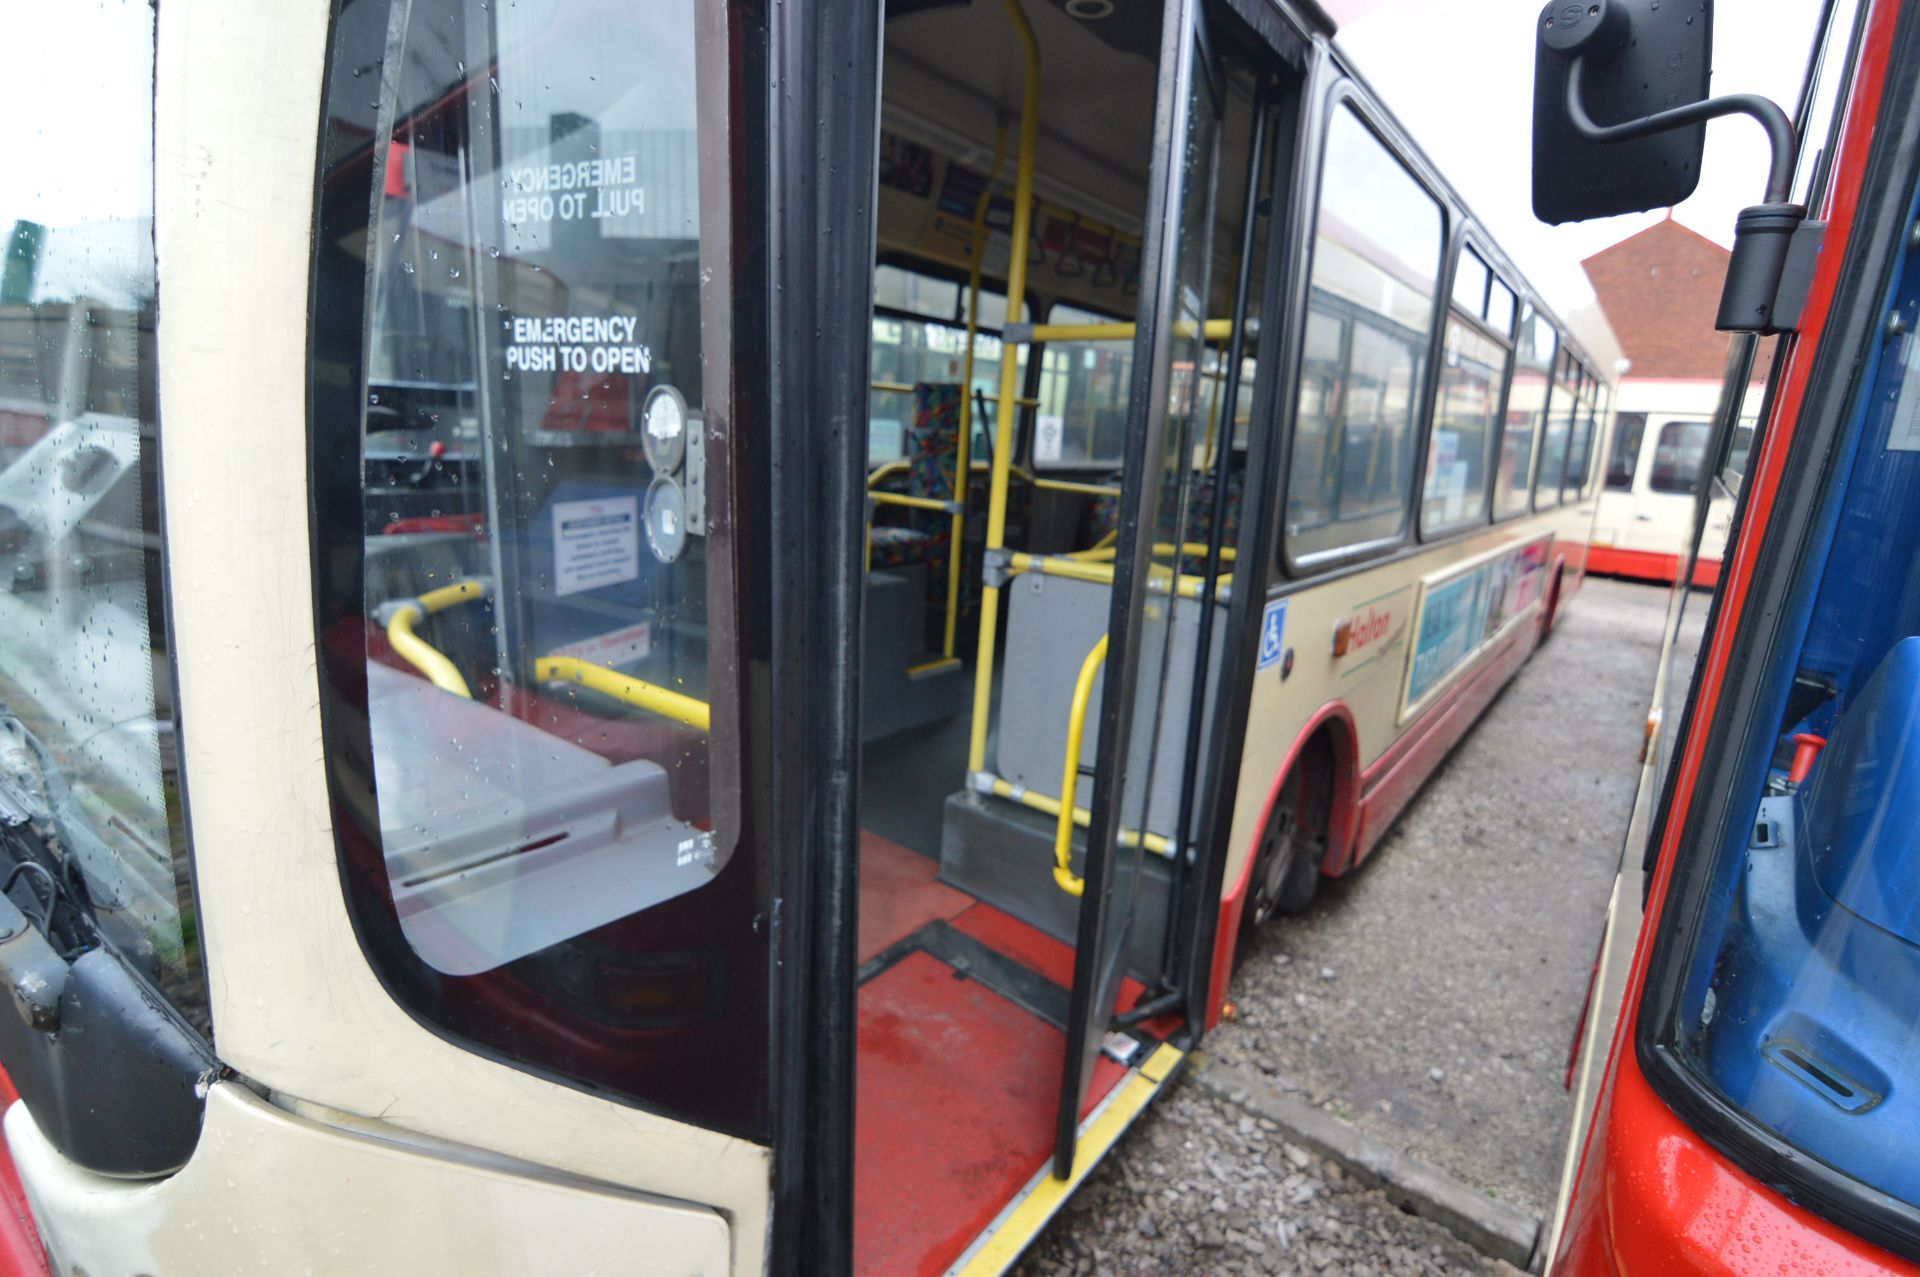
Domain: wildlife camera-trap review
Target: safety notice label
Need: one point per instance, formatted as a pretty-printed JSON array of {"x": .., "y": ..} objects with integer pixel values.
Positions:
[
  {"x": 595, "y": 543},
  {"x": 577, "y": 343}
]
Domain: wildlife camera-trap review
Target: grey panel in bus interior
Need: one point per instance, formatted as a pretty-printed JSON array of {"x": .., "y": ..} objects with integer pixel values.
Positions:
[
  {"x": 1052, "y": 623},
  {"x": 892, "y": 697},
  {"x": 502, "y": 839}
]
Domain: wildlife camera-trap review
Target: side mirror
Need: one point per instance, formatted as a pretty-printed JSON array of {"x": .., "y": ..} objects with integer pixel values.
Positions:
[
  {"x": 1619, "y": 122},
  {"x": 1637, "y": 58}
]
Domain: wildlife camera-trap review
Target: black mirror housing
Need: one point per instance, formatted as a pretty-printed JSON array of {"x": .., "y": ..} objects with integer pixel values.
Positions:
[{"x": 1639, "y": 58}]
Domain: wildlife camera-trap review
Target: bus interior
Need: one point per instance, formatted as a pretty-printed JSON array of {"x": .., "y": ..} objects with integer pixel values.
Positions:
[{"x": 974, "y": 731}]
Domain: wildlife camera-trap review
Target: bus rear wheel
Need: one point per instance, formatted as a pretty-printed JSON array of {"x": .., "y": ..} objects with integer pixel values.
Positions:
[{"x": 1286, "y": 868}]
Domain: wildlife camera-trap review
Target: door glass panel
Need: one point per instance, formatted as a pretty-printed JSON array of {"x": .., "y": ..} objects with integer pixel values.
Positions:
[
  {"x": 542, "y": 846},
  {"x": 1157, "y": 495},
  {"x": 88, "y": 747}
]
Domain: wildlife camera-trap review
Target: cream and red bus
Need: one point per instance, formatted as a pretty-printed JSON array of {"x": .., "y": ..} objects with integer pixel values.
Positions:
[
  {"x": 1657, "y": 460},
  {"x": 594, "y": 703}
]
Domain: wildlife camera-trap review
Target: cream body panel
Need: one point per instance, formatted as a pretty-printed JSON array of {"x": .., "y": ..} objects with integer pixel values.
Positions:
[
  {"x": 1369, "y": 682},
  {"x": 1662, "y": 522},
  {"x": 267, "y": 1191},
  {"x": 295, "y": 1005}
]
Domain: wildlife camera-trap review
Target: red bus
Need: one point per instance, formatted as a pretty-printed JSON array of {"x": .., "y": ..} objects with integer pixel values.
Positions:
[{"x": 1743, "y": 1102}]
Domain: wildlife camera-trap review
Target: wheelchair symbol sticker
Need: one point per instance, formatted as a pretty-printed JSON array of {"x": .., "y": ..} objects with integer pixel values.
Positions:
[{"x": 1273, "y": 634}]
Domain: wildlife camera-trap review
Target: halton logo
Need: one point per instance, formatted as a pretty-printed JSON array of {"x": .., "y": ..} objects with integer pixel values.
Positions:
[{"x": 1354, "y": 633}]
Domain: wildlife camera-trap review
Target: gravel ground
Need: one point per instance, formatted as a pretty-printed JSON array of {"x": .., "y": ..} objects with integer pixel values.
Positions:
[
  {"x": 1429, "y": 998},
  {"x": 1199, "y": 1187}
]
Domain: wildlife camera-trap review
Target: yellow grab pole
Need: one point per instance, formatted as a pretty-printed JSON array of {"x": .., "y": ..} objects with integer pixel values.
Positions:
[
  {"x": 1214, "y": 329},
  {"x": 632, "y": 691},
  {"x": 1063, "y": 875},
  {"x": 1009, "y": 381},
  {"x": 422, "y": 655},
  {"x": 963, "y": 462}
]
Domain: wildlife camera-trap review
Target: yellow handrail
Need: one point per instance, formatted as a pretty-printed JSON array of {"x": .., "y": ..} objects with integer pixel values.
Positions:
[
  {"x": 1101, "y": 573},
  {"x": 1215, "y": 330},
  {"x": 912, "y": 503},
  {"x": 1075, "y": 485},
  {"x": 1063, "y": 876},
  {"x": 1104, "y": 552},
  {"x": 422, "y": 655},
  {"x": 963, "y": 459},
  {"x": 1022, "y": 231},
  {"x": 632, "y": 691},
  {"x": 442, "y": 673}
]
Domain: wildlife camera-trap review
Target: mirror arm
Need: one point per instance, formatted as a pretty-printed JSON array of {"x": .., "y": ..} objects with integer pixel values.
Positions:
[{"x": 1780, "y": 138}]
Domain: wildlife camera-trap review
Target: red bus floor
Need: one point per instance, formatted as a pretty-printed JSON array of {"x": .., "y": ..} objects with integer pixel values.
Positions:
[{"x": 960, "y": 1055}]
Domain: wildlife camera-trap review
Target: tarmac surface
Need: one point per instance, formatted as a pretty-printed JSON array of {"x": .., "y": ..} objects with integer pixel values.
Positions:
[{"x": 1428, "y": 1000}]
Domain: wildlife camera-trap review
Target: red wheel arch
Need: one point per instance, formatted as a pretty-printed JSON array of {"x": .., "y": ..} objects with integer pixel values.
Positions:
[{"x": 1337, "y": 720}]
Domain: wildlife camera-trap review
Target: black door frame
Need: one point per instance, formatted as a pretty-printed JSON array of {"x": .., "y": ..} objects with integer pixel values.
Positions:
[{"x": 823, "y": 92}]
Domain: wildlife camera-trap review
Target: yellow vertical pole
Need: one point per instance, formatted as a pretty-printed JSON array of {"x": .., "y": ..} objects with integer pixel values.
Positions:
[
  {"x": 963, "y": 461},
  {"x": 1009, "y": 381}
]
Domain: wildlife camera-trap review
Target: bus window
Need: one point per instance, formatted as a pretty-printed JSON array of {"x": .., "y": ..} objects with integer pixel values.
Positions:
[
  {"x": 1678, "y": 453},
  {"x": 1622, "y": 457},
  {"x": 1376, "y": 254},
  {"x": 1472, "y": 369},
  {"x": 1580, "y": 446},
  {"x": 537, "y": 787},
  {"x": 1470, "y": 279},
  {"x": 1562, "y": 412},
  {"x": 1500, "y": 309},
  {"x": 1083, "y": 390},
  {"x": 1526, "y": 403},
  {"x": 87, "y": 726},
  {"x": 920, "y": 334}
]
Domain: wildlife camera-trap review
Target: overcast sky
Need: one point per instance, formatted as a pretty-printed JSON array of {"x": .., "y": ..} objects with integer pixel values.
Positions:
[{"x": 1460, "y": 77}]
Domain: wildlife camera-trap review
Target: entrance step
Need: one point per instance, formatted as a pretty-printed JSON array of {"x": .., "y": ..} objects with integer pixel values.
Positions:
[{"x": 1002, "y": 853}]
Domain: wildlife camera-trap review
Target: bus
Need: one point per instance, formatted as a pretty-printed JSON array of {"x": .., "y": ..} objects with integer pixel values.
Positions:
[
  {"x": 1655, "y": 463},
  {"x": 603, "y": 705},
  {"x": 1740, "y": 1074}
]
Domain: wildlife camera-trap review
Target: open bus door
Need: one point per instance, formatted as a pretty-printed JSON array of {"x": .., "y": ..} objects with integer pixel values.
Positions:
[{"x": 1161, "y": 435}]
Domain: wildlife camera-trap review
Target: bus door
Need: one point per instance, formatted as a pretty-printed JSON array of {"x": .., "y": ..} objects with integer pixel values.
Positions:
[{"x": 1193, "y": 351}]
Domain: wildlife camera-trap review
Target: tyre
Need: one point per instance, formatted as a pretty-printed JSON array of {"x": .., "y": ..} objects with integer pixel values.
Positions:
[{"x": 1286, "y": 868}]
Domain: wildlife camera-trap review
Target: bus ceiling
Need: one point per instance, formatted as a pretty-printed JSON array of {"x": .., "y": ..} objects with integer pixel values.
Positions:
[{"x": 953, "y": 77}]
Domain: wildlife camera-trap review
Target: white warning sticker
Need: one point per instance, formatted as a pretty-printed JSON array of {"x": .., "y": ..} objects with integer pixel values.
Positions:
[
  {"x": 582, "y": 190},
  {"x": 1049, "y": 437},
  {"x": 577, "y": 343},
  {"x": 595, "y": 543}
]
